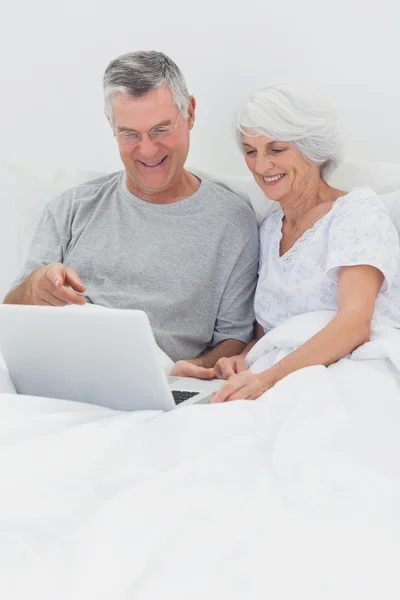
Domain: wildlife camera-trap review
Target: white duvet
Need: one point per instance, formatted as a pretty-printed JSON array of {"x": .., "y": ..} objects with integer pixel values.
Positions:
[{"x": 296, "y": 495}]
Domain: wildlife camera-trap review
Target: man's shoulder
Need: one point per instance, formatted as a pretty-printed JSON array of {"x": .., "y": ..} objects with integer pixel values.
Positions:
[
  {"x": 88, "y": 192},
  {"x": 225, "y": 199}
]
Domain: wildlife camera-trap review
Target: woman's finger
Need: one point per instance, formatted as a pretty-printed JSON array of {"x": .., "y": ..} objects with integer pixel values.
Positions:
[
  {"x": 243, "y": 394},
  {"x": 228, "y": 389}
]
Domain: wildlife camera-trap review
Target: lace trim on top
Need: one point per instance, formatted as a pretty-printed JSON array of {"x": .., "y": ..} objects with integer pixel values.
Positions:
[{"x": 285, "y": 258}]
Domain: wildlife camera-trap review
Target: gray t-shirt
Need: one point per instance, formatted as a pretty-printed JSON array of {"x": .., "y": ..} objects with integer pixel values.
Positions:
[{"x": 190, "y": 265}]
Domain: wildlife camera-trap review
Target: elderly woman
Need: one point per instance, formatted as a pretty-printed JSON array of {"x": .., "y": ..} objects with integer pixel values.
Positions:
[{"x": 324, "y": 249}]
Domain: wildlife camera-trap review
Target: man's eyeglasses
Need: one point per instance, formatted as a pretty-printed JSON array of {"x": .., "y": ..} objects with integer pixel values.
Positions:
[{"x": 157, "y": 133}]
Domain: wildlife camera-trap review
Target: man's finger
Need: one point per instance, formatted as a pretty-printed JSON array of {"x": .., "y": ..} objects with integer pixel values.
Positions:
[
  {"x": 186, "y": 368},
  {"x": 52, "y": 299},
  {"x": 72, "y": 278},
  {"x": 201, "y": 372},
  {"x": 241, "y": 365},
  {"x": 56, "y": 274},
  {"x": 224, "y": 368},
  {"x": 44, "y": 302},
  {"x": 228, "y": 371},
  {"x": 68, "y": 295}
]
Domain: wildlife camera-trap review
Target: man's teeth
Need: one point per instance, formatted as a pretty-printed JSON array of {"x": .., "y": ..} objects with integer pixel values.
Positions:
[
  {"x": 274, "y": 178},
  {"x": 153, "y": 164}
]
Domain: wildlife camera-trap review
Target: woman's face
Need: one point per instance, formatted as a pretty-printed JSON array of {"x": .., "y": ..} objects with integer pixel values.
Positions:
[{"x": 279, "y": 168}]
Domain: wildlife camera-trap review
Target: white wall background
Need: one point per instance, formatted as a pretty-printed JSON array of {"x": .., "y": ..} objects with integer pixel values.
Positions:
[{"x": 53, "y": 55}]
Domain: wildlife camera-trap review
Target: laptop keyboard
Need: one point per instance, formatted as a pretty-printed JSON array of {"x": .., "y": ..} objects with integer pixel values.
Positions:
[{"x": 181, "y": 396}]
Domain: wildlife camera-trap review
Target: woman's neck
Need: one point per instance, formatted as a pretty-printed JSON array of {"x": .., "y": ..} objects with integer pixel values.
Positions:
[{"x": 300, "y": 202}]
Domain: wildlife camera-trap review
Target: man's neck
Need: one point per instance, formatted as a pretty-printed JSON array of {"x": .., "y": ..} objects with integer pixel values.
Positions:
[{"x": 181, "y": 189}]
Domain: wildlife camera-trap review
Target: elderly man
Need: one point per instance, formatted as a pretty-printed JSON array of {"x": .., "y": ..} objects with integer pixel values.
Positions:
[{"x": 152, "y": 237}]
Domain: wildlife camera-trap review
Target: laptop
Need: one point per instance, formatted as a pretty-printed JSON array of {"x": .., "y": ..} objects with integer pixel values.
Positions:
[{"x": 107, "y": 357}]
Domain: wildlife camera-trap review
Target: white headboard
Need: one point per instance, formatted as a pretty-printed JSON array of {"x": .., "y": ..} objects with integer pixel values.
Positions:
[{"x": 26, "y": 189}]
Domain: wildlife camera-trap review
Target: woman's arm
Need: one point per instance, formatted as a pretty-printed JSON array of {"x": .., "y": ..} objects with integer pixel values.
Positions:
[{"x": 358, "y": 288}]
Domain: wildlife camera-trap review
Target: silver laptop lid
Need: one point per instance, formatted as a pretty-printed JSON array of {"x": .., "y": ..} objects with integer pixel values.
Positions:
[{"x": 107, "y": 357}]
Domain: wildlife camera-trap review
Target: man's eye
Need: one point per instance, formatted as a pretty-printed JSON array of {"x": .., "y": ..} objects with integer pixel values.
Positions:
[
  {"x": 250, "y": 153},
  {"x": 276, "y": 150},
  {"x": 160, "y": 130}
]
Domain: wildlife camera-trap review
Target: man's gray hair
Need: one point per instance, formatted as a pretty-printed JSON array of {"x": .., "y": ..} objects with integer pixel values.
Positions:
[
  {"x": 138, "y": 73},
  {"x": 291, "y": 113}
]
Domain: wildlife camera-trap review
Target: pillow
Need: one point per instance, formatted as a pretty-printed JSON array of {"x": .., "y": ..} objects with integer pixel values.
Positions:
[
  {"x": 381, "y": 177},
  {"x": 25, "y": 189},
  {"x": 392, "y": 202},
  {"x": 8, "y": 235},
  {"x": 247, "y": 188}
]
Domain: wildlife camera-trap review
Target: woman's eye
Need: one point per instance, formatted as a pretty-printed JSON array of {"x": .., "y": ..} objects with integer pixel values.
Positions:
[
  {"x": 250, "y": 153},
  {"x": 276, "y": 150}
]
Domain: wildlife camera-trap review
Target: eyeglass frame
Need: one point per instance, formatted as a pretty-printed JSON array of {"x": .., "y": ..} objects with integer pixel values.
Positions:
[{"x": 167, "y": 130}]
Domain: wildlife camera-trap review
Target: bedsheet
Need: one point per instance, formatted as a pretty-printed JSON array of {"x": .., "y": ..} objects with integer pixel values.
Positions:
[{"x": 296, "y": 495}]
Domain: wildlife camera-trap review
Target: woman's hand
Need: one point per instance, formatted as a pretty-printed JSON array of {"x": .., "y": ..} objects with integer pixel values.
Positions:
[
  {"x": 244, "y": 386},
  {"x": 226, "y": 367}
]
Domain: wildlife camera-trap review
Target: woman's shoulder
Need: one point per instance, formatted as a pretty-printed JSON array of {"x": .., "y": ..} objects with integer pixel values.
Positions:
[
  {"x": 271, "y": 222},
  {"x": 360, "y": 205},
  {"x": 361, "y": 214},
  {"x": 359, "y": 199}
]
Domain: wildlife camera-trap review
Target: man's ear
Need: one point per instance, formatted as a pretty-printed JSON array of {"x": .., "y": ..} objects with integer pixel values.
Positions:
[
  {"x": 110, "y": 123},
  {"x": 191, "y": 111}
]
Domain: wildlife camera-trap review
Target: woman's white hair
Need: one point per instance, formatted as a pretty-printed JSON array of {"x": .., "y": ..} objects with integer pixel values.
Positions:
[{"x": 291, "y": 113}]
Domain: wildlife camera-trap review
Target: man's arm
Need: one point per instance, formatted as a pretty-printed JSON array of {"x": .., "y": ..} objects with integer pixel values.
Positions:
[
  {"x": 20, "y": 294},
  {"x": 211, "y": 355},
  {"x": 236, "y": 313},
  {"x": 44, "y": 279},
  {"x": 49, "y": 286},
  {"x": 202, "y": 366}
]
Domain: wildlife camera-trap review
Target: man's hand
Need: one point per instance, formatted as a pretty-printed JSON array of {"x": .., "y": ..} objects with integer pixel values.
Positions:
[
  {"x": 187, "y": 368},
  {"x": 51, "y": 286},
  {"x": 244, "y": 386},
  {"x": 226, "y": 367}
]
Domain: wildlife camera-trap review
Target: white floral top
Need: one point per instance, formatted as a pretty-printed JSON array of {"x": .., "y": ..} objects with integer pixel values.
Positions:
[{"x": 356, "y": 231}]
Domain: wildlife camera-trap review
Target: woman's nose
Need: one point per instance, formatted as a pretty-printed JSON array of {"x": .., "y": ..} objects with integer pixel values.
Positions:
[{"x": 263, "y": 164}]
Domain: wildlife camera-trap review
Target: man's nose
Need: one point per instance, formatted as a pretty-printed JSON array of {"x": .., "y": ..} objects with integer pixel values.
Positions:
[{"x": 147, "y": 146}]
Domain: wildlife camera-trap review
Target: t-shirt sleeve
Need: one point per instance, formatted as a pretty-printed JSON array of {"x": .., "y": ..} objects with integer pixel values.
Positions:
[
  {"x": 46, "y": 246},
  {"x": 362, "y": 233},
  {"x": 261, "y": 235},
  {"x": 235, "y": 319},
  {"x": 265, "y": 232}
]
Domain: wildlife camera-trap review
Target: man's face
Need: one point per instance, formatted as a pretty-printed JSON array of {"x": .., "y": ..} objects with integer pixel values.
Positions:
[{"x": 152, "y": 165}]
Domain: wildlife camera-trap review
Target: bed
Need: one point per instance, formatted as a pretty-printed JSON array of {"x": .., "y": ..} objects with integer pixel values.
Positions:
[{"x": 296, "y": 495}]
